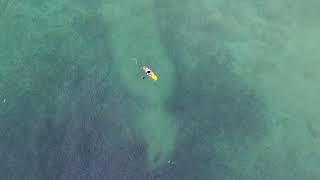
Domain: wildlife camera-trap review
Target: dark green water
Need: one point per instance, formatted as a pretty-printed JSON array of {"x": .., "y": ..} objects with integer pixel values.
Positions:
[{"x": 237, "y": 95}]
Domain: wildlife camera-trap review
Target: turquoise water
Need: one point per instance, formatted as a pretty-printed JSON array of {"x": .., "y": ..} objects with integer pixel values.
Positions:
[{"x": 236, "y": 96}]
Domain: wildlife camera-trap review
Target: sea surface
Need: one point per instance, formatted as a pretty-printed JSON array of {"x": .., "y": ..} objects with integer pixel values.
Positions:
[{"x": 237, "y": 96}]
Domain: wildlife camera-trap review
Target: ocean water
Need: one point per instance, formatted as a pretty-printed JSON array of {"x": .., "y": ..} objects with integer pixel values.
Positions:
[{"x": 236, "y": 99}]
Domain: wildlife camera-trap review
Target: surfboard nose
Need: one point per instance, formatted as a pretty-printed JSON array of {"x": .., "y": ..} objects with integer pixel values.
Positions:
[{"x": 154, "y": 77}]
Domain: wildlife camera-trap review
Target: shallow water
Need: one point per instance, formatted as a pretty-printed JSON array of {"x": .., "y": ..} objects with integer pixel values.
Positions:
[{"x": 236, "y": 96}]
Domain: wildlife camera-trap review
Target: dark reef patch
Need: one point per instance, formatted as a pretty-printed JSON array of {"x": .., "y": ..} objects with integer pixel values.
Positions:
[
  {"x": 210, "y": 103},
  {"x": 68, "y": 121}
]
